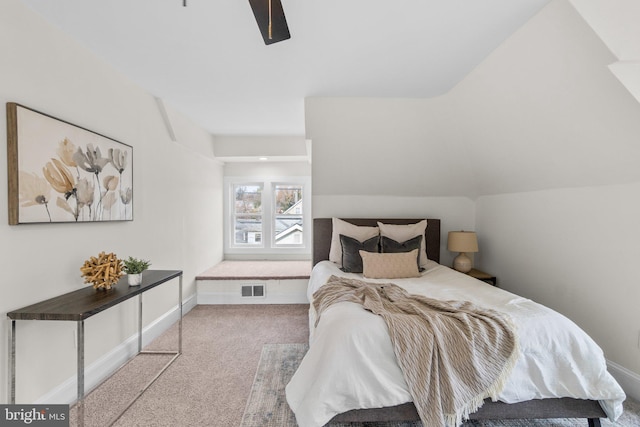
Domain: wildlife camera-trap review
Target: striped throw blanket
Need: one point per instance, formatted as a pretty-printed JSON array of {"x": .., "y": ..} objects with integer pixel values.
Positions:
[{"x": 453, "y": 354}]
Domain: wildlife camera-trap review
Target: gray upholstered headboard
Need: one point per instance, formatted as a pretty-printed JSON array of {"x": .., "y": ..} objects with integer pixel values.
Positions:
[{"x": 322, "y": 228}]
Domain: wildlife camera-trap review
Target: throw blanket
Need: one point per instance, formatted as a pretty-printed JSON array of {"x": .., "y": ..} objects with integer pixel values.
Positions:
[{"x": 453, "y": 354}]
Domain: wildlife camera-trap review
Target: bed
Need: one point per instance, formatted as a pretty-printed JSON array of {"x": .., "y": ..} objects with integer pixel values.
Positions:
[{"x": 317, "y": 393}]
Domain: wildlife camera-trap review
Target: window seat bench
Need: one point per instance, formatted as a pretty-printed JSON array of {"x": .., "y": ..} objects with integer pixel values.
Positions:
[{"x": 254, "y": 282}]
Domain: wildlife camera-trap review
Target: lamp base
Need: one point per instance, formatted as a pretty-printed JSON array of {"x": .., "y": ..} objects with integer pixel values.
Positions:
[{"x": 462, "y": 263}]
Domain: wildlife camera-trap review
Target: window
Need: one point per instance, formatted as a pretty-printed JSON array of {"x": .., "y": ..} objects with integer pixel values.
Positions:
[
  {"x": 267, "y": 216},
  {"x": 247, "y": 214},
  {"x": 288, "y": 218}
]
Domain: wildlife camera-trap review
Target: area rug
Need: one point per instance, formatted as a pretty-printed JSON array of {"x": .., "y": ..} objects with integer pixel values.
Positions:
[{"x": 267, "y": 405}]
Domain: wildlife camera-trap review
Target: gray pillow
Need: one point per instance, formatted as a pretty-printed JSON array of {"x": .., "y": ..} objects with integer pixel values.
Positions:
[
  {"x": 391, "y": 246},
  {"x": 351, "y": 259}
]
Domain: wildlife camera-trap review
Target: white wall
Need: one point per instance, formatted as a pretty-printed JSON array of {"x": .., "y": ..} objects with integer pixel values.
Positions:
[
  {"x": 248, "y": 148},
  {"x": 177, "y": 201},
  {"x": 574, "y": 250},
  {"x": 241, "y": 169},
  {"x": 386, "y": 146}
]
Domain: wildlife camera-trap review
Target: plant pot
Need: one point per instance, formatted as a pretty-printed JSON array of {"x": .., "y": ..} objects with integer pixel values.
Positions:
[{"x": 134, "y": 279}]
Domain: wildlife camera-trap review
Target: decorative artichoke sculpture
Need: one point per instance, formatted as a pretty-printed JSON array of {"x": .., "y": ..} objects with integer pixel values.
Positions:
[{"x": 103, "y": 271}]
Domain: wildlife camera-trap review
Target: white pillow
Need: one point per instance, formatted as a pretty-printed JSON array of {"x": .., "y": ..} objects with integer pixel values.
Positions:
[
  {"x": 402, "y": 233},
  {"x": 359, "y": 233}
]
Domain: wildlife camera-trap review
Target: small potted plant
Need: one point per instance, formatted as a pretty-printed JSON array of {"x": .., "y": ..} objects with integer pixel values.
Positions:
[{"x": 134, "y": 268}]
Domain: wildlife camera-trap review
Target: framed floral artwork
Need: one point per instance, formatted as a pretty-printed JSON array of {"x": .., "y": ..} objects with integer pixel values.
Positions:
[{"x": 60, "y": 172}]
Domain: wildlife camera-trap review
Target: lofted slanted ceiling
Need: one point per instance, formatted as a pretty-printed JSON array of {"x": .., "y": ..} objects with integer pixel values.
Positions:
[
  {"x": 208, "y": 60},
  {"x": 541, "y": 112},
  {"x": 616, "y": 22},
  {"x": 417, "y": 98},
  {"x": 544, "y": 110}
]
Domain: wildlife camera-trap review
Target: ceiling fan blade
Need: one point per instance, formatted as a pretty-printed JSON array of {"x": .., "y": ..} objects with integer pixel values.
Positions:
[{"x": 279, "y": 29}]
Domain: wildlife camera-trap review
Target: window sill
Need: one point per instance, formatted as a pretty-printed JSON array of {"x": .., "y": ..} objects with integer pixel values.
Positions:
[{"x": 257, "y": 270}]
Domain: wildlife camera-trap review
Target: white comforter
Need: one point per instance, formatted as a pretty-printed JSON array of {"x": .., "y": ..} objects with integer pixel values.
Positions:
[{"x": 351, "y": 364}]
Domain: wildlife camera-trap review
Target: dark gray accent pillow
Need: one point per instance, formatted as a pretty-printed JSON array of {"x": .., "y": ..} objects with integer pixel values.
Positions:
[
  {"x": 391, "y": 246},
  {"x": 351, "y": 259}
]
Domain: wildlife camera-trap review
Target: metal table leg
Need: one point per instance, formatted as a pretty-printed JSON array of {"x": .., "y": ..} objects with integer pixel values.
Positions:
[
  {"x": 81, "y": 373},
  {"x": 12, "y": 362},
  {"x": 180, "y": 320},
  {"x": 139, "y": 323}
]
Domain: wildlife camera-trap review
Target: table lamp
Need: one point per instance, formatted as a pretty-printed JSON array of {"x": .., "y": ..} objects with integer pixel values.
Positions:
[{"x": 463, "y": 242}]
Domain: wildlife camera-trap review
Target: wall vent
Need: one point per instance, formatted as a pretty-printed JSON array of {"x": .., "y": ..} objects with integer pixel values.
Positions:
[{"x": 253, "y": 291}]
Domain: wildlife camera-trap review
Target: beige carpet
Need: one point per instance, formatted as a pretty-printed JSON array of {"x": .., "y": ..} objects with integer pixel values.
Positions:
[
  {"x": 209, "y": 383},
  {"x": 267, "y": 405}
]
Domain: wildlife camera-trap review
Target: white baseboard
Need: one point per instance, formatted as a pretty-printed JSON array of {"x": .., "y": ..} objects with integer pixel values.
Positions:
[
  {"x": 189, "y": 304},
  {"x": 98, "y": 371},
  {"x": 628, "y": 380}
]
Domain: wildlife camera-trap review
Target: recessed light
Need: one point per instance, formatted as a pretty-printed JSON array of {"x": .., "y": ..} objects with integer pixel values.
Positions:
[{"x": 263, "y": 159}]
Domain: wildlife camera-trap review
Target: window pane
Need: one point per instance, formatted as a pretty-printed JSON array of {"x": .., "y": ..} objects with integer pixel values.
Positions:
[
  {"x": 248, "y": 230},
  {"x": 288, "y": 199},
  {"x": 248, "y": 199},
  {"x": 288, "y": 214}
]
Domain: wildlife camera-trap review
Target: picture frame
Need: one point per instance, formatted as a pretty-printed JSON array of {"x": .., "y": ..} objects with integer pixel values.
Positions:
[{"x": 61, "y": 172}]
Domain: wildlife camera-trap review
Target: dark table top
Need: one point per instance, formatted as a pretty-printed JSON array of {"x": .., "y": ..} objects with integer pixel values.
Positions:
[{"x": 86, "y": 302}]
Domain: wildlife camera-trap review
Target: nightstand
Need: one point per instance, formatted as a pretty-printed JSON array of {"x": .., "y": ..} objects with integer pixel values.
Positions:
[{"x": 485, "y": 277}]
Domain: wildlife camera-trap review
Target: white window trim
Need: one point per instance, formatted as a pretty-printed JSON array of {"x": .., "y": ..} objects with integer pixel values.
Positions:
[{"x": 267, "y": 249}]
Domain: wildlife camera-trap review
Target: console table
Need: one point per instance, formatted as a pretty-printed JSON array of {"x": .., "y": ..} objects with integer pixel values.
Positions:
[{"x": 80, "y": 305}]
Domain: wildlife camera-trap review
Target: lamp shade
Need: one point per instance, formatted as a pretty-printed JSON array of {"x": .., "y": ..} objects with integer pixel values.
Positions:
[{"x": 462, "y": 241}]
